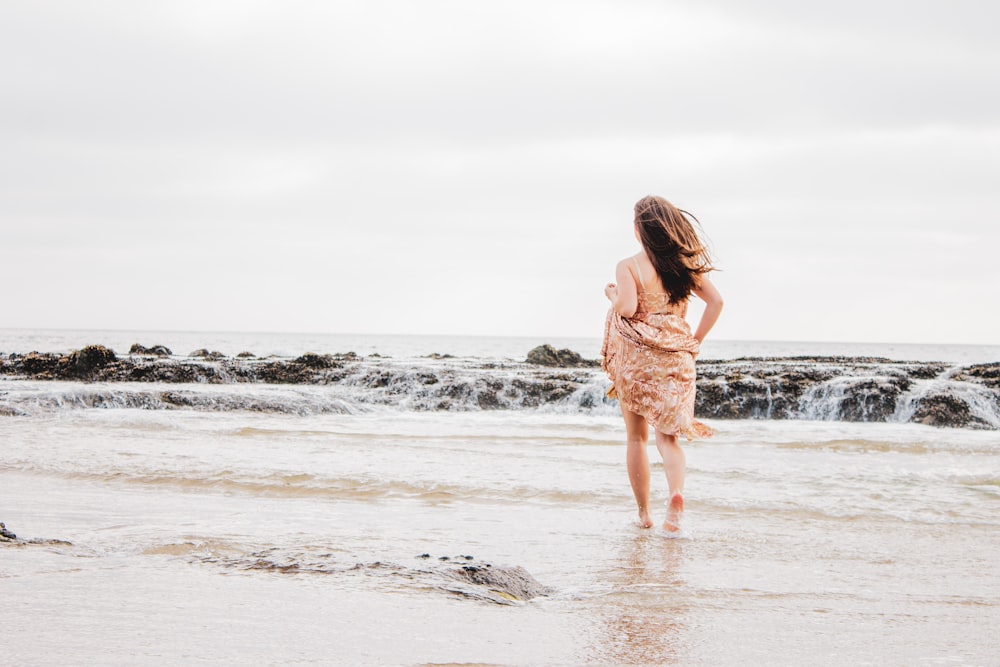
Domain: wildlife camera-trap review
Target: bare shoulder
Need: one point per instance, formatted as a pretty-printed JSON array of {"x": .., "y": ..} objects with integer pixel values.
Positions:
[
  {"x": 642, "y": 258},
  {"x": 626, "y": 266}
]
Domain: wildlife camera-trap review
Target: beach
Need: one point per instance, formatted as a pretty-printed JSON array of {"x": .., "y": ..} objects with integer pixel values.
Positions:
[{"x": 346, "y": 524}]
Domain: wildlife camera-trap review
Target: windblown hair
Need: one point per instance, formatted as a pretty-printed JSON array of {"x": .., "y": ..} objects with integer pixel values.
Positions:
[{"x": 673, "y": 245}]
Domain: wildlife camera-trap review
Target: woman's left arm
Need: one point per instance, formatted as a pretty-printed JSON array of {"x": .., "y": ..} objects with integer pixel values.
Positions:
[{"x": 707, "y": 292}]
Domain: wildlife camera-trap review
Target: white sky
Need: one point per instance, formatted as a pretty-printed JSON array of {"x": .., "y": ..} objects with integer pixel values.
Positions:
[{"x": 467, "y": 167}]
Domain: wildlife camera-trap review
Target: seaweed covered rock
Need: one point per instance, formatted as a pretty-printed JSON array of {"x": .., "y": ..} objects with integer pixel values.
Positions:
[
  {"x": 987, "y": 374},
  {"x": 85, "y": 362},
  {"x": 313, "y": 360},
  {"x": 43, "y": 366},
  {"x": 155, "y": 351},
  {"x": 945, "y": 410},
  {"x": 211, "y": 355},
  {"x": 871, "y": 400},
  {"x": 546, "y": 355}
]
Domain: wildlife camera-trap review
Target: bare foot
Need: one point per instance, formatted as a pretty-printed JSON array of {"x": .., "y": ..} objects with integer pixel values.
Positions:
[
  {"x": 645, "y": 520},
  {"x": 675, "y": 509}
]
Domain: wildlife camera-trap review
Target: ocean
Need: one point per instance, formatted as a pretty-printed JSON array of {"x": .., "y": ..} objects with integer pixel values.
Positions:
[{"x": 434, "y": 500}]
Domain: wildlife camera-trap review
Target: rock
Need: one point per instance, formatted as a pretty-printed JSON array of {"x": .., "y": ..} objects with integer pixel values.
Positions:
[
  {"x": 945, "y": 410},
  {"x": 155, "y": 351},
  {"x": 313, "y": 360},
  {"x": 90, "y": 359},
  {"x": 546, "y": 355},
  {"x": 511, "y": 583},
  {"x": 987, "y": 374},
  {"x": 460, "y": 575},
  {"x": 203, "y": 353},
  {"x": 871, "y": 400},
  {"x": 39, "y": 365},
  {"x": 9, "y": 537},
  {"x": 246, "y": 355},
  {"x": 6, "y": 534},
  {"x": 834, "y": 388}
]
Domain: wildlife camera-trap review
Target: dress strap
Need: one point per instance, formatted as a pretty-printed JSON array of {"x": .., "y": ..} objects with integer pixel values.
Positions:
[{"x": 638, "y": 273}]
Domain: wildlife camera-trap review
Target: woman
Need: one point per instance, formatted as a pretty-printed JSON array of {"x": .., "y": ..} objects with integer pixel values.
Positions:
[{"x": 648, "y": 347}]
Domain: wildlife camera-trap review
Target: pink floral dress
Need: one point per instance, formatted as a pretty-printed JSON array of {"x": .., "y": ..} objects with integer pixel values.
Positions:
[{"x": 650, "y": 359}]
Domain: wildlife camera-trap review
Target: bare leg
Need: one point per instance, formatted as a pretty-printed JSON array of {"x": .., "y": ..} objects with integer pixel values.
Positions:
[
  {"x": 637, "y": 434},
  {"x": 674, "y": 466}
]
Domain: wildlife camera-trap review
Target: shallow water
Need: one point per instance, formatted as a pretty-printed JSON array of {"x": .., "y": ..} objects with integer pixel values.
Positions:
[
  {"x": 493, "y": 347},
  {"x": 235, "y": 537}
]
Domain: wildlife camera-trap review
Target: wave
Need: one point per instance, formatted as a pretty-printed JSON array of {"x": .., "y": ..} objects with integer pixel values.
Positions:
[{"x": 860, "y": 389}]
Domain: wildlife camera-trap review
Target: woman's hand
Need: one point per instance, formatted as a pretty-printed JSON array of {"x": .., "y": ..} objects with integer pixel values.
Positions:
[{"x": 623, "y": 295}]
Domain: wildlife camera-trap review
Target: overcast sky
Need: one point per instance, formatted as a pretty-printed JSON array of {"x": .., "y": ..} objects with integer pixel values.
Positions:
[{"x": 469, "y": 167}]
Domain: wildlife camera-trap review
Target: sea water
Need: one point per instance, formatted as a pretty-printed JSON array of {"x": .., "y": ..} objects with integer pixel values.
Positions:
[{"x": 239, "y": 536}]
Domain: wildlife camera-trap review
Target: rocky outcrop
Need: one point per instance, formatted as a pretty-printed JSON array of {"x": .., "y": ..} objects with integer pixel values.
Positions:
[
  {"x": 946, "y": 410},
  {"x": 857, "y": 389},
  {"x": 313, "y": 360},
  {"x": 546, "y": 355},
  {"x": 987, "y": 374},
  {"x": 860, "y": 389},
  {"x": 85, "y": 362}
]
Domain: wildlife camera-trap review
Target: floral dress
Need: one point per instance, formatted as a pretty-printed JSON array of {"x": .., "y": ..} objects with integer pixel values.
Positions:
[{"x": 650, "y": 359}]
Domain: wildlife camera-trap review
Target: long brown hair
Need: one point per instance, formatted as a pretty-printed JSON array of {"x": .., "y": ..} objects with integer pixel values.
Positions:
[{"x": 672, "y": 245}]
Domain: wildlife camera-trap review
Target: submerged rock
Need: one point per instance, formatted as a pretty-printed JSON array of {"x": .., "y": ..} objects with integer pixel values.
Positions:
[
  {"x": 463, "y": 575},
  {"x": 459, "y": 575},
  {"x": 514, "y": 584},
  {"x": 6, "y": 535}
]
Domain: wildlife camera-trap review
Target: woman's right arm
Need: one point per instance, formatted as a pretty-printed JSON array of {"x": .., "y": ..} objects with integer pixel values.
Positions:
[
  {"x": 707, "y": 292},
  {"x": 624, "y": 296}
]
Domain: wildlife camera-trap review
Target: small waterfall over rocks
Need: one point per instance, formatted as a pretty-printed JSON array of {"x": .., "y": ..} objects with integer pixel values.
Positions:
[{"x": 854, "y": 389}]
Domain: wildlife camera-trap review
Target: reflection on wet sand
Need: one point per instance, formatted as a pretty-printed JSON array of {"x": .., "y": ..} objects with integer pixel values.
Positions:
[{"x": 641, "y": 619}]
